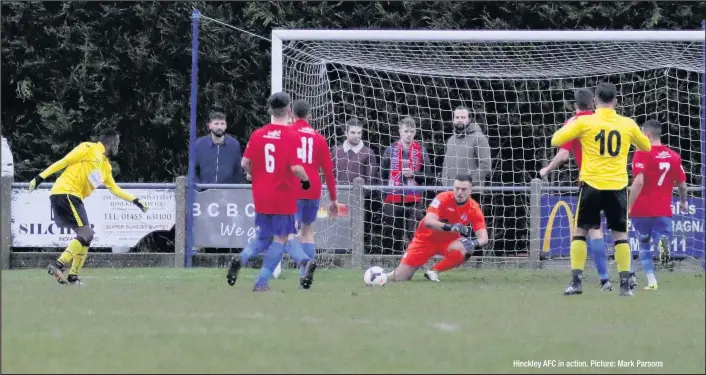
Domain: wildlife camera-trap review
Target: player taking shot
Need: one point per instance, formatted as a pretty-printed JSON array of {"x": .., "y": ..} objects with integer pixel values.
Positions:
[
  {"x": 605, "y": 142},
  {"x": 650, "y": 205},
  {"x": 596, "y": 244},
  {"x": 86, "y": 167},
  {"x": 271, "y": 159},
  {"x": 444, "y": 231}
]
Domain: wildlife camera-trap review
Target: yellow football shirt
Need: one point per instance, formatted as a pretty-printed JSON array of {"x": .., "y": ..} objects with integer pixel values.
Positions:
[
  {"x": 87, "y": 168},
  {"x": 605, "y": 140}
]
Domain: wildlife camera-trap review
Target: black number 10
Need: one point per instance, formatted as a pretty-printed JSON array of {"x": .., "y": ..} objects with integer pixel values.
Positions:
[{"x": 613, "y": 142}]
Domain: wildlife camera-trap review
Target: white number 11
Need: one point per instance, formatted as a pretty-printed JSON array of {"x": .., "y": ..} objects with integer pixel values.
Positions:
[{"x": 306, "y": 151}]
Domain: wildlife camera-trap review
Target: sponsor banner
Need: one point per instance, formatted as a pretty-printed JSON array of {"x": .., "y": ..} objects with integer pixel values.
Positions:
[
  {"x": 557, "y": 213},
  {"x": 226, "y": 218},
  {"x": 116, "y": 223}
]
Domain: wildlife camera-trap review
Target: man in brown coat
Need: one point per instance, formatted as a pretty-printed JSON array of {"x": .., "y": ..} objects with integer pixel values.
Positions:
[{"x": 353, "y": 158}]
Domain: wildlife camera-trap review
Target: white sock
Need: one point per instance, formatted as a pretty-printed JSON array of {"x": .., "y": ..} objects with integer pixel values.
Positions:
[
  {"x": 391, "y": 275},
  {"x": 651, "y": 279}
]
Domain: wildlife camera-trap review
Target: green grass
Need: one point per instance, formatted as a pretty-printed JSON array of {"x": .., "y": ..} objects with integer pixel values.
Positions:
[{"x": 191, "y": 321}]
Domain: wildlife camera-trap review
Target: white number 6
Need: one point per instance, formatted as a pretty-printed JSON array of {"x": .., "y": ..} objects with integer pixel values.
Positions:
[{"x": 269, "y": 158}]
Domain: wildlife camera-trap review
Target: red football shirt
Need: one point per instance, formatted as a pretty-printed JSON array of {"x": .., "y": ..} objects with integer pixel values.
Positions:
[
  {"x": 662, "y": 169},
  {"x": 272, "y": 152},
  {"x": 574, "y": 146},
  {"x": 314, "y": 154},
  {"x": 445, "y": 207}
]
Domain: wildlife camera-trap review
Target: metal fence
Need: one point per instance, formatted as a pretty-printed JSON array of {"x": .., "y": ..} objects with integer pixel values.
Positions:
[{"x": 223, "y": 216}]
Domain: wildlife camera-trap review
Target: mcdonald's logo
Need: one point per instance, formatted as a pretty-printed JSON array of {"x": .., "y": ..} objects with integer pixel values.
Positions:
[{"x": 550, "y": 223}]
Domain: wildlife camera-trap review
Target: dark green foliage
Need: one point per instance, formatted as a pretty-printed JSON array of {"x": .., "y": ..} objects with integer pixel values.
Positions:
[
  {"x": 72, "y": 68},
  {"x": 69, "y": 69}
]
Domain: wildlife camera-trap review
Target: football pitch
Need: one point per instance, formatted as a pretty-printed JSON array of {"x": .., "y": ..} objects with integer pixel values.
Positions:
[{"x": 191, "y": 321}]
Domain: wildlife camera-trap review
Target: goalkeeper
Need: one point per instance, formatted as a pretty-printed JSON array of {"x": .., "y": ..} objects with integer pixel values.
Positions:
[
  {"x": 86, "y": 167},
  {"x": 605, "y": 141},
  {"x": 584, "y": 107},
  {"x": 444, "y": 231}
]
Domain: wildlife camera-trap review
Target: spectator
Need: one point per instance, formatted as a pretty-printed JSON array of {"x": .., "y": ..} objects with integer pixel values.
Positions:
[
  {"x": 218, "y": 155},
  {"x": 405, "y": 163},
  {"x": 467, "y": 151},
  {"x": 355, "y": 159},
  {"x": 8, "y": 166}
]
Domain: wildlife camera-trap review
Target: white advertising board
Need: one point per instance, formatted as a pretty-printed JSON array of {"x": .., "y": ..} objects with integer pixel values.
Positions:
[{"x": 116, "y": 223}]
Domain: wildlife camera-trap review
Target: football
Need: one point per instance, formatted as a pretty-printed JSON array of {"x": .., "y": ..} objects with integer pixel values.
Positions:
[
  {"x": 277, "y": 271},
  {"x": 375, "y": 276}
]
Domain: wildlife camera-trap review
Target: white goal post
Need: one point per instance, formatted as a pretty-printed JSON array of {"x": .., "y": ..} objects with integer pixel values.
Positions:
[{"x": 518, "y": 86}]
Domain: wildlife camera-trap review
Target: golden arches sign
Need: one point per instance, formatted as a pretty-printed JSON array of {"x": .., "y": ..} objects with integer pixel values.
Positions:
[{"x": 550, "y": 223}]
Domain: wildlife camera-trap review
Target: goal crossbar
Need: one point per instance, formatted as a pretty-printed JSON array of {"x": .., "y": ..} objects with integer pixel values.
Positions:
[{"x": 492, "y": 35}]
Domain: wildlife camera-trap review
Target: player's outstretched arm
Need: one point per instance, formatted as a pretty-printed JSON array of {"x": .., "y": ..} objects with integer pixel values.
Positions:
[
  {"x": 560, "y": 158},
  {"x": 640, "y": 140},
  {"x": 77, "y": 154},
  {"x": 431, "y": 221},
  {"x": 116, "y": 190},
  {"x": 567, "y": 133}
]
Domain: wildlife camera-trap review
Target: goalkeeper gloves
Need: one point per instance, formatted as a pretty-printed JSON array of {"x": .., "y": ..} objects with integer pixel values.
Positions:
[
  {"x": 35, "y": 183},
  {"x": 470, "y": 244},
  {"x": 305, "y": 184},
  {"x": 140, "y": 205},
  {"x": 460, "y": 228}
]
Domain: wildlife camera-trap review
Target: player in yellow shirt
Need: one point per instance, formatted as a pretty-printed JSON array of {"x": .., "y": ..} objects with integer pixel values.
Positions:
[
  {"x": 605, "y": 140},
  {"x": 86, "y": 168}
]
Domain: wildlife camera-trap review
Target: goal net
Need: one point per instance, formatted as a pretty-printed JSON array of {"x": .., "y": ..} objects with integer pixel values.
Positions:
[{"x": 518, "y": 93}]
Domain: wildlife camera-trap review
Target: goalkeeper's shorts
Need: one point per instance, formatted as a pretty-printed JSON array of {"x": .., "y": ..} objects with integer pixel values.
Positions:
[{"x": 418, "y": 253}]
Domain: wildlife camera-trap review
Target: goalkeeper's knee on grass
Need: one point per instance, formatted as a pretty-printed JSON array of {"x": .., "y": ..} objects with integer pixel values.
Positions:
[{"x": 453, "y": 259}]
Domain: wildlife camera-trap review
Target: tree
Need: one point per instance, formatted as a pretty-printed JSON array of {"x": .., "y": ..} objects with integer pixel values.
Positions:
[{"x": 72, "y": 68}]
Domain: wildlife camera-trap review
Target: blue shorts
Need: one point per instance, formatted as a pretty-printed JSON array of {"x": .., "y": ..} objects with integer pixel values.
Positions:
[
  {"x": 269, "y": 226},
  {"x": 307, "y": 209},
  {"x": 652, "y": 227}
]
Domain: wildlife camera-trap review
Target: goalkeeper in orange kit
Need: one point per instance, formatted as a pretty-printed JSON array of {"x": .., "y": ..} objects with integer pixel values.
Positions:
[
  {"x": 445, "y": 231},
  {"x": 86, "y": 167}
]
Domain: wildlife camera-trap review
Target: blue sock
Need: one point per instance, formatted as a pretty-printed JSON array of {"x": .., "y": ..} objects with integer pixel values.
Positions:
[
  {"x": 600, "y": 259},
  {"x": 648, "y": 265},
  {"x": 310, "y": 250},
  {"x": 297, "y": 252},
  {"x": 269, "y": 263},
  {"x": 254, "y": 248}
]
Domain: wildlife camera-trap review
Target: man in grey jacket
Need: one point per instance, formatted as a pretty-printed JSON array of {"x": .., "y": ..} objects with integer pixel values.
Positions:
[{"x": 467, "y": 151}]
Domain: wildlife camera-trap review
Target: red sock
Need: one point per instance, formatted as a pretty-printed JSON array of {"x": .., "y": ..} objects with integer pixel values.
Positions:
[{"x": 452, "y": 259}]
